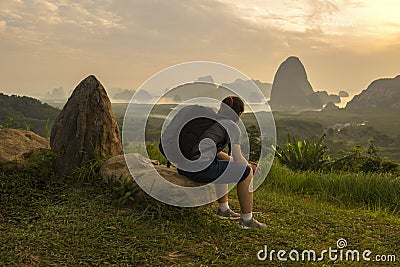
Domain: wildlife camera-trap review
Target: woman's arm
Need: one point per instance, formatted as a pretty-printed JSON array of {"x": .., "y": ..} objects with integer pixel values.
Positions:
[
  {"x": 238, "y": 157},
  {"x": 237, "y": 154}
]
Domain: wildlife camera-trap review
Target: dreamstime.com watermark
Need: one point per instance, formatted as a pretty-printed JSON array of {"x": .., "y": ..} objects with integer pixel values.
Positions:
[{"x": 340, "y": 253}]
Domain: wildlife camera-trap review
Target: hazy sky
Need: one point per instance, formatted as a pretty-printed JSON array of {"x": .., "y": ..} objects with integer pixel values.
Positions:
[{"x": 343, "y": 44}]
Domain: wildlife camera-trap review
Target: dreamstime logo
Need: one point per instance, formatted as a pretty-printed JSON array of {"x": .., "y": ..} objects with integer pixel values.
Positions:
[
  {"x": 333, "y": 254},
  {"x": 341, "y": 243},
  {"x": 169, "y": 91}
]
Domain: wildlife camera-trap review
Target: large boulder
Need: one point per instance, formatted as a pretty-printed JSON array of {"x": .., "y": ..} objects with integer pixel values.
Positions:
[
  {"x": 291, "y": 88},
  {"x": 85, "y": 127},
  {"x": 115, "y": 169},
  {"x": 16, "y": 145}
]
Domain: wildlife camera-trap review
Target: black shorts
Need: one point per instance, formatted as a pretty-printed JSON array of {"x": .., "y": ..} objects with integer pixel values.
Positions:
[{"x": 236, "y": 173}]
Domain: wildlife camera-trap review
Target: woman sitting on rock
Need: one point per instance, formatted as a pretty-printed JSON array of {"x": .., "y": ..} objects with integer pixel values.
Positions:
[{"x": 225, "y": 169}]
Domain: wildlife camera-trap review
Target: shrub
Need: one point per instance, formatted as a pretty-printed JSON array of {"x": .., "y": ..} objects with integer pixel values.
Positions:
[
  {"x": 357, "y": 161},
  {"x": 303, "y": 155},
  {"x": 89, "y": 171},
  {"x": 255, "y": 143},
  {"x": 124, "y": 190},
  {"x": 313, "y": 156}
]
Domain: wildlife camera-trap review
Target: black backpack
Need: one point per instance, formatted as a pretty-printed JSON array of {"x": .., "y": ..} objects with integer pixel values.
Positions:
[{"x": 191, "y": 132}]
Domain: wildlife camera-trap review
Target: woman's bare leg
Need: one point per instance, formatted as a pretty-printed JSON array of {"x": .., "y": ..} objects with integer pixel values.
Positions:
[
  {"x": 245, "y": 193},
  {"x": 222, "y": 190}
]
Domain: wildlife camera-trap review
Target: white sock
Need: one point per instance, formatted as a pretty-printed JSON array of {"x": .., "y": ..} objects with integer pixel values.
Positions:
[
  {"x": 223, "y": 206},
  {"x": 247, "y": 216}
]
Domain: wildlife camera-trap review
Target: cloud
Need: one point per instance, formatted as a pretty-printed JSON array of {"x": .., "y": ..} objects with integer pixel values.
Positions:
[
  {"x": 3, "y": 25},
  {"x": 138, "y": 30},
  {"x": 320, "y": 10},
  {"x": 119, "y": 38},
  {"x": 53, "y": 42}
]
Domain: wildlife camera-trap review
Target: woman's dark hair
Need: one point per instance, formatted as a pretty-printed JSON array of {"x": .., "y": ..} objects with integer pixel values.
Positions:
[{"x": 234, "y": 103}]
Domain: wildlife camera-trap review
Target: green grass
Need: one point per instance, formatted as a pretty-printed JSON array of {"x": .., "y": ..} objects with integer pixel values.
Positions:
[
  {"x": 62, "y": 222},
  {"x": 374, "y": 191}
]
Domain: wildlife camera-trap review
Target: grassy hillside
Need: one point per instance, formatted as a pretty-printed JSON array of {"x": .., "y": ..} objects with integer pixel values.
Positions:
[
  {"x": 48, "y": 221},
  {"x": 27, "y": 113}
]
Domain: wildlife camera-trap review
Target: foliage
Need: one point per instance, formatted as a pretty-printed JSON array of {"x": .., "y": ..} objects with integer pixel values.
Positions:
[
  {"x": 303, "y": 155},
  {"x": 10, "y": 123},
  {"x": 47, "y": 129},
  {"x": 255, "y": 143},
  {"x": 357, "y": 161},
  {"x": 345, "y": 128},
  {"x": 89, "y": 171},
  {"x": 27, "y": 113},
  {"x": 313, "y": 156},
  {"x": 297, "y": 127},
  {"x": 42, "y": 164},
  {"x": 124, "y": 190}
]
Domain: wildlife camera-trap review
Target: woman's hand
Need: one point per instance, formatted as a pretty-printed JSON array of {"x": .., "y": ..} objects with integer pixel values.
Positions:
[
  {"x": 238, "y": 157},
  {"x": 223, "y": 156},
  {"x": 254, "y": 166}
]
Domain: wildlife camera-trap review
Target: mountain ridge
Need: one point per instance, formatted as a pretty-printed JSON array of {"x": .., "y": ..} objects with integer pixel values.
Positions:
[{"x": 383, "y": 93}]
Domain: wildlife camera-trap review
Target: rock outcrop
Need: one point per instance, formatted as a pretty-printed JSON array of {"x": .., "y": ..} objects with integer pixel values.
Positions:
[
  {"x": 382, "y": 94},
  {"x": 116, "y": 168},
  {"x": 142, "y": 95},
  {"x": 207, "y": 79},
  {"x": 124, "y": 95},
  {"x": 343, "y": 93},
  {"x": 85, "y": 126},
  {"x": 331, "y": 106},
  {"x": 326, "y": 98},
  {"x": 247, "y": 89},
  {"x": 16, "y": 145},
  {"x": 291, "y": 88}
]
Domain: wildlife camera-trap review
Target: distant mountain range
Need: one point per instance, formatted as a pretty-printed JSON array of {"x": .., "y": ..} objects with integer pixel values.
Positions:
[
  {"x": 381, "y": 94},
  {"x": 246, "y": 87},
  {"x": 291, "y": 90},
  {"x": 205, "y": 87},
  {"x": 124, "y": 94},
  {"x": 250, "y": 89}
]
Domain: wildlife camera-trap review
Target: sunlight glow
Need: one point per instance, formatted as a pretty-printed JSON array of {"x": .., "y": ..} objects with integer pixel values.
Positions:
[{"x": 366, "y": 18}]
